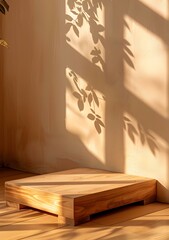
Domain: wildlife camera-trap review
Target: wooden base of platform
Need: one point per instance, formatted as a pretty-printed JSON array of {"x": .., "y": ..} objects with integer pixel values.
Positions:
[{"x": 74, "y": 195}]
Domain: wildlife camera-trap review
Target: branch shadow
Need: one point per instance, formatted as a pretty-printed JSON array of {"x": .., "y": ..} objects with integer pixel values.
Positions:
[
  {"x": 35, "y": 133},
  {"x": 109, "y": 69},
  {"x": 139, "y": 132}
]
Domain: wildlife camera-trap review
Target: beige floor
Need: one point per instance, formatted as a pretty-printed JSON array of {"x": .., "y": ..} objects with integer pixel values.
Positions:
[{"x": 127, "y": 223}]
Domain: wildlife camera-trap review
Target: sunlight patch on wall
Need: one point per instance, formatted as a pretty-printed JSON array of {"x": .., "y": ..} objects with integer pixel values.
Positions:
[
  {"x": 158, "y": 6},
  {"x": 85, "y": 30},
  {"x": 147, "y": 79},
  {"x": 85, "y": 109},
  {"x": 145, "y": 151}
]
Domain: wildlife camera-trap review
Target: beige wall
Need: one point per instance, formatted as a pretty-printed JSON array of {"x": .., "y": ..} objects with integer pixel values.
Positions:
[
  {"x": 1, "y": 96},
  {"x": 60, "y": 65}
]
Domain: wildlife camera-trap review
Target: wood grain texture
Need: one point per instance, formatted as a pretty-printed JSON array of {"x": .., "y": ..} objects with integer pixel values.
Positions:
[
  {"x": 130, "y": 222},
  {"x": 15, "y": 205},
  {"x": 78, "y": 193}
]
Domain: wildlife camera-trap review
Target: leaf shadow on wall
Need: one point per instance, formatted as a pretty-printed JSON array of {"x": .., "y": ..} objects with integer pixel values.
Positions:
[
  {"x": 80, "y": 12},
  {"x": 139, "y": 132},
  {"x": 48, "y": 140},
  {"x": 87, "y": 11}
]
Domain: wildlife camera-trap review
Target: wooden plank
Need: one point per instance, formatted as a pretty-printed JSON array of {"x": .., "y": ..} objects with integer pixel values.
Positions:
[
  {"x": 14, "y": 177},
  {"x": 43, "y": 200},
  {"x": 126, "y": 223},
  {"x": 21, "y": 230},
  {"x": 148, "y": 226},
  {"x": 126, "y": 213},
  {"x": 10, "y": 216},
  {"x": 62, "y": 220},
  {"x": 76, "y": 194},
  {"x": 2, "y": 204},
  {"x": 66, "y": 183},
  {"x": 17, "y": 206},
  {"x": 117, "y": 197}
]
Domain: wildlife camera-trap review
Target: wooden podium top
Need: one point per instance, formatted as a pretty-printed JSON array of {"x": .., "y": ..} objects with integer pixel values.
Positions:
[{"x": 78, "y": 182}]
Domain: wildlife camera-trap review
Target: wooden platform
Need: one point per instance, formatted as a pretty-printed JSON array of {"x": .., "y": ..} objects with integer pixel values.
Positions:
[{"x": 76, "y": 194}]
